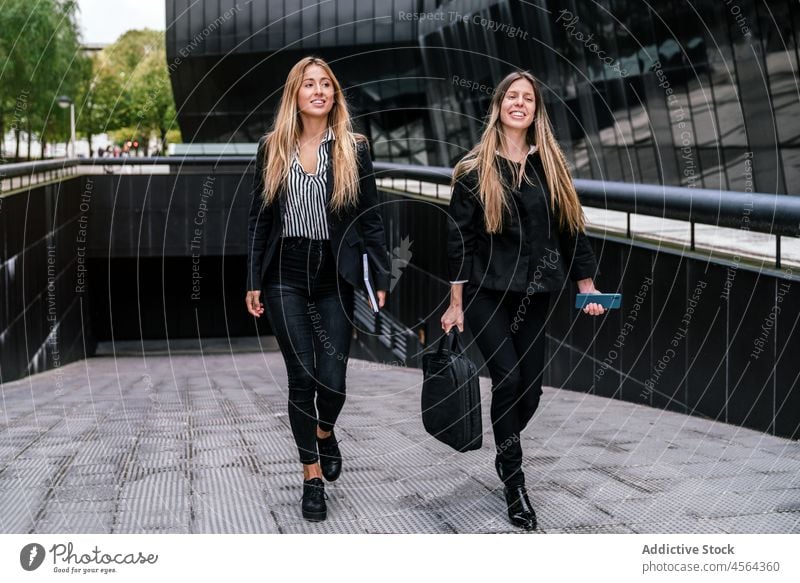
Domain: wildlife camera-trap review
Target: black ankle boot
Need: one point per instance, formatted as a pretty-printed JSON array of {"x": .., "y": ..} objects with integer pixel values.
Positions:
[
  {"x": 520, "y": 511},
  {"x": 505, "y": 476},
  {"x": 498, "y": 466},
  {"x": 330, "y": 458},
  {"x": 314, "y": 507}
]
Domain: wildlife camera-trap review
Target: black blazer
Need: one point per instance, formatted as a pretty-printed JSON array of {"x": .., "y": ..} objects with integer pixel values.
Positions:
[
  {"x": 531, "y": 254},
  {"x": 353, "y": 231}
]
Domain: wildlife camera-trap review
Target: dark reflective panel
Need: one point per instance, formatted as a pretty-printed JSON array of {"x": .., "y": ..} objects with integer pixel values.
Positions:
[{"x": 692, "y": 93}]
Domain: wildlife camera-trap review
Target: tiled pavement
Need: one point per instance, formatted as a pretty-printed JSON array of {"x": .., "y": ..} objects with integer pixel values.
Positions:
[{"x": 201, "y": 444}]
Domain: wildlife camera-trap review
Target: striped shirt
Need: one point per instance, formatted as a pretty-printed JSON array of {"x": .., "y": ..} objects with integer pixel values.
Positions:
[{"x": 304, "y": 212}]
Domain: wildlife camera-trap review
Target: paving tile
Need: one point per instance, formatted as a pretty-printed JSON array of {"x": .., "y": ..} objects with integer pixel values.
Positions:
[
  {"x": 771, "y": 523},
  {"x": 599, "y": 529},
  {"x": 215, "y": 455},
  {"x": 678, "y": 525}
]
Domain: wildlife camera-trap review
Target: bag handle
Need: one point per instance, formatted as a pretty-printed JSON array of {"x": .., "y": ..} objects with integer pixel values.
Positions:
[{"x": 453, "y": 341}]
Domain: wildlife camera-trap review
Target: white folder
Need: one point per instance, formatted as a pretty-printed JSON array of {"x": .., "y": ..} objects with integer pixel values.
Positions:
[{"x": 368, "y": 285}]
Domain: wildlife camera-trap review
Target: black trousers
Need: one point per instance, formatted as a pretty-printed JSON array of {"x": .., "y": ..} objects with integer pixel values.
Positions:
[
  {"x": 310, "y": 309},
  {"x": 509, "y": 329}
]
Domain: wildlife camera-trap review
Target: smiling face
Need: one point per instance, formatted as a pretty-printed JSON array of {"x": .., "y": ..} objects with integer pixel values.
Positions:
[
  {"x": 315, "y": 96},
  {"x": 519, "y": 105}
]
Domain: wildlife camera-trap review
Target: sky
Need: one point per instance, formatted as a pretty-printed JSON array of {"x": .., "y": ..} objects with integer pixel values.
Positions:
[{"x": 103, "y": 21}]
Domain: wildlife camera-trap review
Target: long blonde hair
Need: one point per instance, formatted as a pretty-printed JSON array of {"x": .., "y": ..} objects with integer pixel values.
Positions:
[
  {"x": 282, "y": 140},
  {"x": 493, "y": 187}
]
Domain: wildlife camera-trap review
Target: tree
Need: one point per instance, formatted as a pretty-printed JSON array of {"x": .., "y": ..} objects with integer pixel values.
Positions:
[
  {"x": 100, "y": 98},
  {"x": 146, "y": 105},
  {"x": 40, "y": 48},
  {"x": 17, "y": 61},
  {"x": 124, "y": 88},
  {"x": 156, "y": 104}
]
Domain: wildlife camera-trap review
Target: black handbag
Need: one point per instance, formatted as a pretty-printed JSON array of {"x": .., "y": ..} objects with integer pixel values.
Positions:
[{"x": 451, "y": 399}]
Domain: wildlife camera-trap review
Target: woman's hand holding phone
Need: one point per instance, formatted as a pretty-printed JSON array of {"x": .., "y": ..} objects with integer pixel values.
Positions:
[{"x": 586, "y": 286}]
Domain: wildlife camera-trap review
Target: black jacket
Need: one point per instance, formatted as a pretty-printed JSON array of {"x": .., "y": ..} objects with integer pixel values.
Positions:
[
  {"x": 353, "y": 231},
  {"x": 531, "y": 254}
]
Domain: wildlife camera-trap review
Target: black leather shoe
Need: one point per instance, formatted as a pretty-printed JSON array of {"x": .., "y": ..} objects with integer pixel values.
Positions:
[
  {"x": 520, "y": 511},
  {"x": 314, "y": 507},
  {"x": 330, "y": 458}
]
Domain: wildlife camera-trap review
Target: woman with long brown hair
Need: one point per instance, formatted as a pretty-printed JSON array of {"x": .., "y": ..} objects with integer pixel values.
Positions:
[
  {"x": 515, "y": 233},
  {"x": 313, "y": 227}
]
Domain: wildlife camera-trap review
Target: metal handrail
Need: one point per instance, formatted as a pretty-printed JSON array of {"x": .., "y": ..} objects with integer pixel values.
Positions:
[
  {"x": 36, "y": 167},
  {"x": 441, "y": 175},
  {"x": 776, "y": 214},
  {"x": 39, "y": 166},
  {"x": 171, "y": 160},
  {"x": 764, "y": 213}
]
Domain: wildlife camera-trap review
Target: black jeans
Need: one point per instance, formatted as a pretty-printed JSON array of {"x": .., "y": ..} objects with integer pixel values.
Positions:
[
  {"x": 310, "y": 309},
  {"x": 508, "y": 328}
]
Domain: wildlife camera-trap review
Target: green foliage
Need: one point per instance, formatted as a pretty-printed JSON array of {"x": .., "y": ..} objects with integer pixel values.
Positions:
[
  {"x": 40, "y": 59},
  {"x": 123, "y": 90},
  {"x": 132, "y": 93}
]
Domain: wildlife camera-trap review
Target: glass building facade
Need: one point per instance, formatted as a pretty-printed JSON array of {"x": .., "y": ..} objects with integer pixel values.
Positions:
[
  {"x": 228, "y": 62},
  {"x": 700, "y": 93}
]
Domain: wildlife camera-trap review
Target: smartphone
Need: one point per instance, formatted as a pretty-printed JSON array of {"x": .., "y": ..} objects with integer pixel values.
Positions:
[{"x": 608, "y": 301}]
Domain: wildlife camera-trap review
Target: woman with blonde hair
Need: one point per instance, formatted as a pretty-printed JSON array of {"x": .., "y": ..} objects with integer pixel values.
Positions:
[
  {"x": 515, "y": 232},
  {"x": 314, "y": 228}
]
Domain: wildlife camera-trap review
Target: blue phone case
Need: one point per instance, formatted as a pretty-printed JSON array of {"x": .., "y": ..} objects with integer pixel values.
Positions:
[{"x": 608, "y": 301}]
